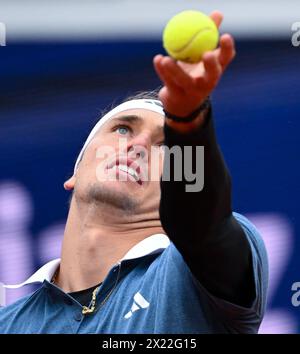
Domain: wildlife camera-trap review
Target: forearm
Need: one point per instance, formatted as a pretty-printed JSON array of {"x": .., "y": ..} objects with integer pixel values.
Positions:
[{"x": 201, "y": 224}]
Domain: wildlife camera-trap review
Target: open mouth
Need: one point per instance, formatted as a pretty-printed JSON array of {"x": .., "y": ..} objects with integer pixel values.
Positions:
[
  {"x": 130, "y": 171},
  {"x": 130, "y": 167}
]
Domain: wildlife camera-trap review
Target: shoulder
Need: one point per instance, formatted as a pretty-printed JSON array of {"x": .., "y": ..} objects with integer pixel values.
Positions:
[
  {"x": 238, "y": 319},
  {"x": 260, "y": 264},
  {"x": 10, "y": 314},
  {"x": 14, "y": 307},
  {"x": 254, "y": 238}
]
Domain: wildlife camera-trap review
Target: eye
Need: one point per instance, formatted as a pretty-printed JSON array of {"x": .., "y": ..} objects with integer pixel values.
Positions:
[{"x": 122, "y": 129}]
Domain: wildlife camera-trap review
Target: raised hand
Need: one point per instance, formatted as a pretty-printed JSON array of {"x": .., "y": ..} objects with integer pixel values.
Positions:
[{"x": 187, "y": 85}]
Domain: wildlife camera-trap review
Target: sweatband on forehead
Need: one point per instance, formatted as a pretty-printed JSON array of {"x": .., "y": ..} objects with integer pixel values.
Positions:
[{"x": 150, "y": 105}]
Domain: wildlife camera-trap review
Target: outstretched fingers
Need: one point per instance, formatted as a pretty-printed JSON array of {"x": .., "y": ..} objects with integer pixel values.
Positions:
[
  {"x": 159, "y": 62},
  {"x": 212, "y": 73},
  {"x": 217, "y": 17},
  {"x": 226, "y": 51}
]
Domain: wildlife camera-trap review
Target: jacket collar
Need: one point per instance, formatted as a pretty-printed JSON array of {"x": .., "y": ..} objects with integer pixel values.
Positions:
[{"x": 150, "y": 245}]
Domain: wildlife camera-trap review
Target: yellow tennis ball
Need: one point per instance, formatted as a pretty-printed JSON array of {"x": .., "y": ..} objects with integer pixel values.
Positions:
[{"x": 189, "y": 34}]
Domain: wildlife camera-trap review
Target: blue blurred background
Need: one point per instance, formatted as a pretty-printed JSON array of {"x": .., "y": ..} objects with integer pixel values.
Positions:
[{"x": 58, "y": 71}]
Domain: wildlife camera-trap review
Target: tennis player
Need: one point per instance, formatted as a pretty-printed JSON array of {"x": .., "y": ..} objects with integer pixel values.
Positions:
[{"x": 145, "y": 255}]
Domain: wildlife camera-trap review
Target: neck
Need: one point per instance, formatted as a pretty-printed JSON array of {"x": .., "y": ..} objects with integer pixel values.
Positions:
[{"x": 95, "y": 240}]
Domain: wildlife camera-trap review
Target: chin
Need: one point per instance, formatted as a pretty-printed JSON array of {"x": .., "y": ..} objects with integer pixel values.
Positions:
[
  {"x": 112, "y": 194},
  {"x": 130, "y": 186}
]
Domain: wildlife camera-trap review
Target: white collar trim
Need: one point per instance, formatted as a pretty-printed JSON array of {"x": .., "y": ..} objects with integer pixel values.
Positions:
[{"x": 150, "y": 245}]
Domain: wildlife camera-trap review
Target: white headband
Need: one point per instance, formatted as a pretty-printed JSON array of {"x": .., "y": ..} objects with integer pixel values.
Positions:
[{"x": 150, "y": 105}]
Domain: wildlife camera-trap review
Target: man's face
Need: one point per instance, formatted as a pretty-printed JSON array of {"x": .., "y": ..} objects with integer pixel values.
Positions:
[{"x": 123, "y": 163}]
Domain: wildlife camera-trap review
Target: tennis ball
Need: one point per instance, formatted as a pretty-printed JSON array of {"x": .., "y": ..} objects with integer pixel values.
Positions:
[{"x": 189, "y": 34}]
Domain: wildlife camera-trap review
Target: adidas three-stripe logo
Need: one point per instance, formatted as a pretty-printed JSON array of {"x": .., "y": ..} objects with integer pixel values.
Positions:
[{"x": 138, "y": 303}]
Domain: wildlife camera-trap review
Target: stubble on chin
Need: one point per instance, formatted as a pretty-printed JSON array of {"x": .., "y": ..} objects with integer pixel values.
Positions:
[{"x": 109, "y": 197}]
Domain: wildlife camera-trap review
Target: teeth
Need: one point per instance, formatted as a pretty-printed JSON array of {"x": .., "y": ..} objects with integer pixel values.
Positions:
[
  {"x": 133, "y": 173},
  {"x": 128, "y": 170}
]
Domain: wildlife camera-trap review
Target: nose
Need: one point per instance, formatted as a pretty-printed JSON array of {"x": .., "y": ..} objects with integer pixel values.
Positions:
[
  {"x": 137, "y": 151},
  {"x": 140, "y": 145}
]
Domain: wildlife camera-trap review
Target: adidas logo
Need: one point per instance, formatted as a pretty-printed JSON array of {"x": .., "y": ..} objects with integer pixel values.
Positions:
[{"x": 138, "y": 303}]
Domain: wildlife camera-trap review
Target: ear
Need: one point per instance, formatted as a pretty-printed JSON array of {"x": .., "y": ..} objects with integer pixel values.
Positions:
[{"x": 70, "y": 183}]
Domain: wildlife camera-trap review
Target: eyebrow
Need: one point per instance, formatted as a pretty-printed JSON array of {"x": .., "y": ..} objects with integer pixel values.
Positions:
[
  {"x": 129, "y": 119},
  {"x": 136, "y": 119}
]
